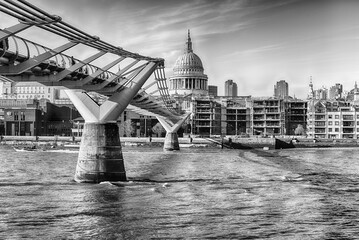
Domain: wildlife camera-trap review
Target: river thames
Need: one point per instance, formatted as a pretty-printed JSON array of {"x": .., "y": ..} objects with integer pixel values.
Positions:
[{"x": 202, "y": 193}]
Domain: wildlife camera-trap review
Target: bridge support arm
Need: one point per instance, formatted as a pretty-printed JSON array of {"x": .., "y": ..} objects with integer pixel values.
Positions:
[
  {"x": 120, "y": 100},
  {"x": 100, "y": 155},
  {"x": 171, "y": 140}
]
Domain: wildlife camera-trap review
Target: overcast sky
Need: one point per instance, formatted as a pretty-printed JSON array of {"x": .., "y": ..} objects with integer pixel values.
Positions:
[{"x": 254, "y": 42}]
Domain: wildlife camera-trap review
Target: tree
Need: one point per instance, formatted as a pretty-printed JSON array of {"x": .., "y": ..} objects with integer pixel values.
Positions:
[
  {"x": 127, "y": 127},
  {"x": 158, "y": 129},
  {"x": 299, "y": 130}
]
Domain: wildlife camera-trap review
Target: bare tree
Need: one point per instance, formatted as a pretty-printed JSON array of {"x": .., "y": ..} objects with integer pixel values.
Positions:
[
  {"x": 158, "y": 129},
  {"x": 127, "y": 128}
]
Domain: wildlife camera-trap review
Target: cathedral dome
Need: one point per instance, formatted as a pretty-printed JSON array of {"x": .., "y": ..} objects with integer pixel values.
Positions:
[
  {"x": 188, "y": 76},
  {"x": 188, "y": 63}
]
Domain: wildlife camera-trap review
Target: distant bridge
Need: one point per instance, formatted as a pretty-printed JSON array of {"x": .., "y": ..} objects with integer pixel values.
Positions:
[{"x": 121, "y": 80}]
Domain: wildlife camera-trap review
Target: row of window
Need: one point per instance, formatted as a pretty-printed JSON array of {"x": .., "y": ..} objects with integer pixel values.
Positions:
[
  {"x": 332, "y": 130},
  {"x": 330, "y": 116},
  {"x": 16, "y": 116},
  {"x": 32, "y": 90},
  {"x": 333, "y": 123},
  {"x": 31, "y": 96}
]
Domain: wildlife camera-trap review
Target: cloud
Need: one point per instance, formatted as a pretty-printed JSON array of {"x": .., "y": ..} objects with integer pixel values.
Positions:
[{"x": 253, "y": 51}]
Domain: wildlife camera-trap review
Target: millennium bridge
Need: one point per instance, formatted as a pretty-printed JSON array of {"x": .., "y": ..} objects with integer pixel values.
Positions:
[{"x": 121, "y": 80}]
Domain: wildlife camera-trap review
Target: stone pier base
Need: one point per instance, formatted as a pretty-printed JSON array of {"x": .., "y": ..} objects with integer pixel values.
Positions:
[
  {"x": 171, "y": 142},
  {"x": 100, "y": 155}
]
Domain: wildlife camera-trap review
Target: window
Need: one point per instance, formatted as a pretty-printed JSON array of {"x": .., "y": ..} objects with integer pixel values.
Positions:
[
  {"x": 337, "y": 129},
  {"x": 22, "y": 116},
  {"x": 16, "y": 116},
  {"x": 330, "y": 116},
  {"x": 336, "y": 116},
  {"x": 348, "y": 117},
  {"x": 330, "y": 123},
  {"x": 330, "y": 129},
  {"x": 336, "y": 122}
]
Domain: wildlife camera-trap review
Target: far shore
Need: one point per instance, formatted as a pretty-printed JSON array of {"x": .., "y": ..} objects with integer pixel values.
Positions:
[{"x": 225, "y": 142}]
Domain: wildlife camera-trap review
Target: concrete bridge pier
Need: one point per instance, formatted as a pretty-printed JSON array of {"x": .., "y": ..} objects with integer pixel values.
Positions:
[
  {"x": 100, "y": 155},
  {"x": 171, "y": 140}
]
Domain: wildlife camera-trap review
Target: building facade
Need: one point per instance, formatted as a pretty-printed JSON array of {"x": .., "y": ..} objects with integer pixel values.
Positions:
[
  {"x": 22, "y": 117},
  {"x": 295, "y": 116},
  {"x": 206, "y": 117},
  {"x": 27, "y": 90},
  {"x": 212, "y": 90},
  {"x": 32, "y": 117},
  {"x": 236, "y": 116},
  {"x": 333, "y": 119},
  {"x": 267, "y": 116}
]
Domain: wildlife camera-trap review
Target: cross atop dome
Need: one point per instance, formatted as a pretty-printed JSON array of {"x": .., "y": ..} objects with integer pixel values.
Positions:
[{"x": 188, "y": 44}]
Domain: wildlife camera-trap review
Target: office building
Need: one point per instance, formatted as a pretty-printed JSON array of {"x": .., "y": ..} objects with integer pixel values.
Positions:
[
  {"x": 281, "y": 89},
  {"x": 230, "y": 88},
  {"x": 212, "y": 90}
]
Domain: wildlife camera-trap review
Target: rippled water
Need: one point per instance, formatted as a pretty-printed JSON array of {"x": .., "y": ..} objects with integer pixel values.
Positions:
[{"x": 192, "y": 193}]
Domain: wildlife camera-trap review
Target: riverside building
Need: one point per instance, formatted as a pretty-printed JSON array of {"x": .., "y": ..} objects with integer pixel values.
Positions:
[{"x": 333, "y": 119}]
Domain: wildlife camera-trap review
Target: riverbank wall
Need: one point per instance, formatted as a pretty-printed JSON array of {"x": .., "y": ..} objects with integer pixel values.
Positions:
[
  {"x": 283, "y": 143},
  {"x": 227, "y": 142},
  {"x": 73, "y": 142}
]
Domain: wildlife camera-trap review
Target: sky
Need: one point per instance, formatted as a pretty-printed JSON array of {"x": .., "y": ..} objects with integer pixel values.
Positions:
[{"x": 253, "y": 42}]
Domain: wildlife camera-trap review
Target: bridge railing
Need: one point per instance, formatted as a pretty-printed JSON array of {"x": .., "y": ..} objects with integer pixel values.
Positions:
[{"x": 14, "y": 50}]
